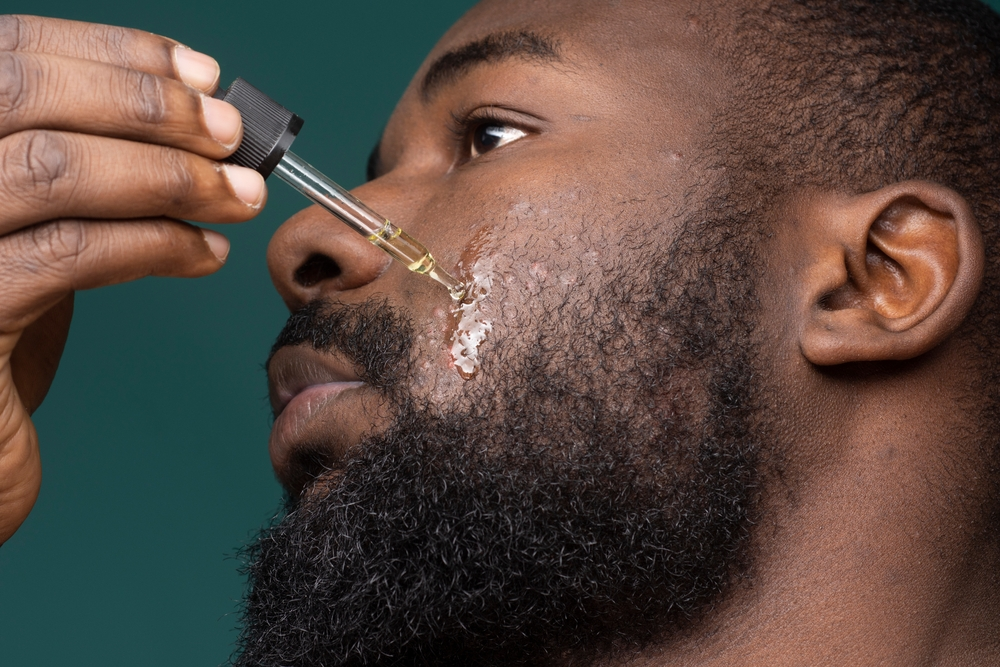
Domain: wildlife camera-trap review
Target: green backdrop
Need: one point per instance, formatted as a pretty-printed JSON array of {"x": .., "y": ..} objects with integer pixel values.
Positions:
[
  {"x": 155, "y": 433},
  {"x": 154, "y": 437}
]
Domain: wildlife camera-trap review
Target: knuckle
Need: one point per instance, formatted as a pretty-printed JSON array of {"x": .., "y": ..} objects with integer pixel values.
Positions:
[
  {"x": 13, "y": 88},
  {"x": 175, "y": 172},
  {"x": 144, "y": 99},
  {"x": 113, "y": 44},
  {"x": 36, "y": 162},
  {"x": 56, "y": 245},
  {"x": 11, "y": 32}
]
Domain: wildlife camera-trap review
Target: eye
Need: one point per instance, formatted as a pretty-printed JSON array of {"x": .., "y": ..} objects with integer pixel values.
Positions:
[
  {"x": 487, "y": 136},
  {"x": 487, "y": 128}
]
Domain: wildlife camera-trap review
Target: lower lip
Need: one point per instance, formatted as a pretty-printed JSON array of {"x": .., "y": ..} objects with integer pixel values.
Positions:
[{"x": 300, "y": 411}]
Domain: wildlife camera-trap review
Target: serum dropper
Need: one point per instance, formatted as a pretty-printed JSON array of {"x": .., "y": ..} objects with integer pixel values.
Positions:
[{"x": 268, "y": 132}]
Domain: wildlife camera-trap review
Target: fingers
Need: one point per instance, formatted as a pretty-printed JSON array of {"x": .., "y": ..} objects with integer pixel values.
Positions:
[
  {"x": 81, "y": 107},
  {"x": 60, "y": 93},
  {"x": 48, "y": 175},
  {"x": 108, "y": 124},
  {"x": 40, "y": 265},
  {"x": 131, "y": 49}
]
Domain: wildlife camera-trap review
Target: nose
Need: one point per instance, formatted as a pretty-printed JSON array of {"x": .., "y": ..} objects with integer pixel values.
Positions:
[{"x": 315, "y": 255}]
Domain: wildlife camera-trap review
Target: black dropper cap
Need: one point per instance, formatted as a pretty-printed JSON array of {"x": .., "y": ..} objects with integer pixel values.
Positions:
[{"x": 268, "y": 128}]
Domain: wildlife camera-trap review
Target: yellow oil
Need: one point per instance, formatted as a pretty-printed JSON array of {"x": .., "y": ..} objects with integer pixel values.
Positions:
[
  {"x": 423, "y": 265},
  {"x": 415, "y": 256}
]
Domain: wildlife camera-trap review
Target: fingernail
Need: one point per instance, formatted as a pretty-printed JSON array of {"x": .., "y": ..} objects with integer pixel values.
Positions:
[
  {"x": 196, "y": 69},
  {"x": 217, "y": 243},
  {"x": 247, "y": 184},
  {"x": 222, "y": 120}
]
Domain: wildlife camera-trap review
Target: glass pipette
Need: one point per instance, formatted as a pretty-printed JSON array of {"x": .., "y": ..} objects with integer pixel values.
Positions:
[{"x": 268, "y": 132}]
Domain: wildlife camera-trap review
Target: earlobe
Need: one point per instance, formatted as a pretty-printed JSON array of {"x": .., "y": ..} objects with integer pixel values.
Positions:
[{"x": 895, "y": 273}]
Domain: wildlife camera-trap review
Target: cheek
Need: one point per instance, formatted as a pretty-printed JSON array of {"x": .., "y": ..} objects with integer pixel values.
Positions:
[
  {"x": 545, "y": 263},
  {"x": 434, "y": 342},
  {"x": 538, "y": 252}
]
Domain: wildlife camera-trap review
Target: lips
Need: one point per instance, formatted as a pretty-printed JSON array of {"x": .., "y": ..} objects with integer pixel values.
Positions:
[
  {"x": 293, "y": 370},
  {"x": 320, "y": 410}
]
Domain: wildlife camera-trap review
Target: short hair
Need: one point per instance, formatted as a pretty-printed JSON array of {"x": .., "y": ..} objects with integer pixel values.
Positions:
[{"x": 853, "y": 95}]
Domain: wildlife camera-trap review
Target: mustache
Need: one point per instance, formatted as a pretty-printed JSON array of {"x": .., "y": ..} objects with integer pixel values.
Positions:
[{"x": 374, "y": 336}]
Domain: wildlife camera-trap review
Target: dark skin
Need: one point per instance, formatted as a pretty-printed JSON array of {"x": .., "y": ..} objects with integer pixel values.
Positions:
[
  {"x": 73, "y": 151},
  {"x": 871, "y": 552}
]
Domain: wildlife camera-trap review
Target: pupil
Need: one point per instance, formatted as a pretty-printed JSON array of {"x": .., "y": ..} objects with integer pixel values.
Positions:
[{"x": 489, "y": 136}]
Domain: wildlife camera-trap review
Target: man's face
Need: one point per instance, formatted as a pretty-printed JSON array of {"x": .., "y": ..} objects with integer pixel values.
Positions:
[
  {"x": 588, "y": 487},
  {"x": 595, "y": 148}
]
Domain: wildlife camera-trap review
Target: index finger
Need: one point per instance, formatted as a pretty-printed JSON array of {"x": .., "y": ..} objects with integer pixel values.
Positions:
[{"x": 124, "y": 47}]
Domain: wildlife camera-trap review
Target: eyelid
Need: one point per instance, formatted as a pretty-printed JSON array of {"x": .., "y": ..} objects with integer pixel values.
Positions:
[{"x": 464, "y": 122}]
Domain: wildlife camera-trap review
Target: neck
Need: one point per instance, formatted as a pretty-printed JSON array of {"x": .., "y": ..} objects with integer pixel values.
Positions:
[{"x": 882, "y": 554}]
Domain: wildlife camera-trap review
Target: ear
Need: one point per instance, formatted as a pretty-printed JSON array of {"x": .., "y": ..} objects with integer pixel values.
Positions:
[{"x": 896, "y": 272}]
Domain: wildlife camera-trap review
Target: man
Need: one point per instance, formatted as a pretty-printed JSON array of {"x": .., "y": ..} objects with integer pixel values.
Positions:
[{"x": 738, "y": 403}]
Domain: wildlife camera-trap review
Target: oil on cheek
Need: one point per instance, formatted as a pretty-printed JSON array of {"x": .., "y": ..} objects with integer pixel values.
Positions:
[{"x": 473, "y": 325}]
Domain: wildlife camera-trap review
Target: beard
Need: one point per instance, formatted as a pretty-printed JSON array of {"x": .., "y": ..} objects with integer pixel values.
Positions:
[{"x": 590, "y": 496}]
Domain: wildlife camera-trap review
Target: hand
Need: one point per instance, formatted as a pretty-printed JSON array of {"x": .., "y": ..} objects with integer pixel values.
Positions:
[{"x": 107, "y": 138}]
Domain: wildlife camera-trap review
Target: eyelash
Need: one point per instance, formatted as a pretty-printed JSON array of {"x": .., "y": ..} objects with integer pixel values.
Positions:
[{"x": 464, "y": 125}]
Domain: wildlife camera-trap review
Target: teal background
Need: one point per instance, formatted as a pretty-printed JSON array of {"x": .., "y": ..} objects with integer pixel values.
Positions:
[
  {"x": 155, "y": 433},
  {"x": 154, "y": 436}
]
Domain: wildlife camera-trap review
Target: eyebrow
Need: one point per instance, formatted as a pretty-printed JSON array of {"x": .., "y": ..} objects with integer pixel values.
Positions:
[{"x": 493, "y": 48}]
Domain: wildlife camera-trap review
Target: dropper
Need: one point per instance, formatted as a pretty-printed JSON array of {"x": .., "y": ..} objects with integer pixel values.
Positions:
[{"x": 268, "y": 132}]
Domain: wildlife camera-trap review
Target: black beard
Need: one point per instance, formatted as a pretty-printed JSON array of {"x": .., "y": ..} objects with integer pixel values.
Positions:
[{"x": 590, "y": 498}]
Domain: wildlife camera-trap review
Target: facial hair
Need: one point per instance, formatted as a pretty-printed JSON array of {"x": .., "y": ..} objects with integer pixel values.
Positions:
[{"x": 590, "y": 495}]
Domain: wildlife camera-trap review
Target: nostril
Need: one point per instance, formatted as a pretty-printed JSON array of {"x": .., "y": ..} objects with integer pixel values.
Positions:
[{"x": 316, "y": 269}]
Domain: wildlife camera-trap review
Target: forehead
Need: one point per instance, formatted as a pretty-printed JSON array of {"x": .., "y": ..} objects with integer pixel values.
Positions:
[
  {"x": 660, "y": 45},
  {"x": 604, "y": 27}
]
